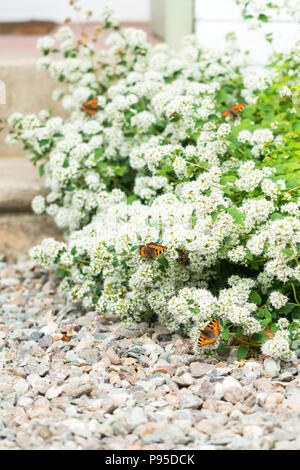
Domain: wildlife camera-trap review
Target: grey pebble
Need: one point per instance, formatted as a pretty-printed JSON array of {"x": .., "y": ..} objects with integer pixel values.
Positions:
[
  {"x": 113, "y": 387},
  {"x": 35, "y": 335},
  {"x": 84, "y": 389},
  {"x": 45, "y": 341},
  {"x": 190, "y": 401},
  {"x": 286, "y": 376},
  {"x": 271, "y": 367}
]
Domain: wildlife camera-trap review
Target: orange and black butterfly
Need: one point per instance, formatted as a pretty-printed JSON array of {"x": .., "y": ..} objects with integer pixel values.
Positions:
[
  {"x": 91, "y": 106},
  {"x": 209, "y": 334},
  {"x": 233, "y": 111},
  {"x": 151, "y": 250}
]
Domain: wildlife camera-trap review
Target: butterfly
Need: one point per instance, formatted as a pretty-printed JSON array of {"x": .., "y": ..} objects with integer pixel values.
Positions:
[
  {"x": 233, "y": 110},
  {"x": 209, "y": 334},
  {"x": 90, "y": 106},
  {"x": 183, "y": 257},
  {"x": 151, "y": 250}
]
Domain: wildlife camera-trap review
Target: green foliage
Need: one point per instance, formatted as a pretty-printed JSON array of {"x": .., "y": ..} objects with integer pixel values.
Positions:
[{"x": 242, "y": 352}]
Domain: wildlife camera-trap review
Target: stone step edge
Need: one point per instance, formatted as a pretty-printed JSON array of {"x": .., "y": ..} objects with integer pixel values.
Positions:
[{"x": 19, "y": 184}]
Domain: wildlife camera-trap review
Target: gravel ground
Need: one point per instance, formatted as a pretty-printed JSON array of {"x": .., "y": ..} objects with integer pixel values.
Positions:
[{"x": 71, "y": 379}]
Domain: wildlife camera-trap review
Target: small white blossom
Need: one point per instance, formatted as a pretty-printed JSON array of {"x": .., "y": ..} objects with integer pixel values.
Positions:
[{"x": 278, "y": 300}]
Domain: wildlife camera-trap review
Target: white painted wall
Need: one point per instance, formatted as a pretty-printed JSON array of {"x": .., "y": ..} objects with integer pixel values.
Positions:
[
  {"x": 58, "y": 10},
  {"x": 215, "y": 18}
]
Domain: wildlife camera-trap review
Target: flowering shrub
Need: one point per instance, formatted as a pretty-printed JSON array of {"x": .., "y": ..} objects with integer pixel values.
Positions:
[
  {"x": 262, "y": 11},
  {"x": 158, "y": 163}
]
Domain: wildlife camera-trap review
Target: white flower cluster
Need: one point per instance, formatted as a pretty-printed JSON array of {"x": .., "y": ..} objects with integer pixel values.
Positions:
[
  {"x": 261, "y": 11},
  {"x": 38, "y": 204},
  {"x": 278, "y": 300},
  {"x": 156, "y": 87},
  {"x": 154, "y": 164},
  {"x": 279, "y": 346},
  {"x": 177, "y": 290}
]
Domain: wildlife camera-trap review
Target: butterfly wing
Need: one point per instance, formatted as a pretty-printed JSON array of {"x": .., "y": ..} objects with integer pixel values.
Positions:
[
  {"x": 91, "y": 103},
  {"x": 214, "y": 327},
  {"x": 238, "y": 107},
  {"x": 158, "y": 249},
  {"x": 151, "y": 250},
  {"x": 183, "y": 257},
  {"x": 204, "y": 341},
  {"x": 209, "y": 334},
  {"x": 143, "y": 251},
  {"x": 89, "y": 111},
  {"x": 147, "y": 251},
  {"x": 234, "y": 110},
  {"x": 90, "y": 106}
]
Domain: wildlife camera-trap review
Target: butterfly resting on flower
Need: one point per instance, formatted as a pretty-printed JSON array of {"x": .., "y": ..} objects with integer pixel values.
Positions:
[
  {"x": 233, "y": 110},
  {"x": 90, "y": 107},
  {"x": 152, "y": 250},
  {"x": 209, "y": 334}
]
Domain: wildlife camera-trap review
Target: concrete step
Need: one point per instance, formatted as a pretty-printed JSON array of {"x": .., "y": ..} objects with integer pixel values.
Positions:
[
  {"x": 20, "y": 231},
  {"x": 19, "y": 183},
  {"x": 20, "y": 228},
  {"x": 28, "y": 90}
]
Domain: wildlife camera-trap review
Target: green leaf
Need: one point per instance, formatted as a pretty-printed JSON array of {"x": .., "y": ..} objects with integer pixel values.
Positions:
[
  {"x": 193, "y": 218},
  {"x": 221, "y": 349},
  {"x": 255, "y": 297},
  {"x": 222, "y": 250},
  {"x": 242, "y": 352},
  {"x": 263, "y": 313},
  {"x": 296, "y": 125},
  {"x": 238, "y": 216},
  {"x": 269, "y": 37},
  {"x": 260, "y": 337},
  {"x": 263, "y": 18},
  {"x": 62, "y": 272},
  {"x": 225, "y": 333},
  {"x": 194, "y": 309},
  {"x": 163, "y": 262},
  {"x": 134, "y": 248},
  {"x": 99, "y": 289},
  {"x": 266, "y": 322},
  {"x": 239, "y": 331},
  {"x": 296, "y": 313},
  {"x": 131, "y": 198},
  {"x": 99, "y": 152},
  {"x": 273, "y": 327},
  {"x": 214, "y": 216},
  {"x": 119, "y": 170},
  {"x": 42, "y": 170},
  {"x": 276, "y": 216},
  {"x": 43, "y": 142},
  {"x": 286, "y": 309},
  {"x": 101, "y": 165}
]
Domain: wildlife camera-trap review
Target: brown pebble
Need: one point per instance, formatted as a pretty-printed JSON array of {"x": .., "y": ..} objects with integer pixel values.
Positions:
[{"x": 44, "y": 432}]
